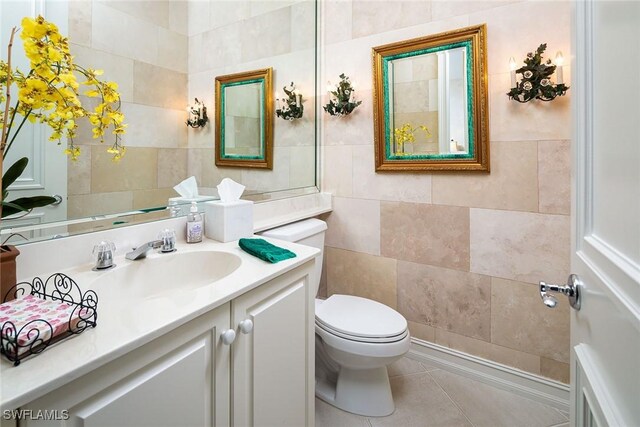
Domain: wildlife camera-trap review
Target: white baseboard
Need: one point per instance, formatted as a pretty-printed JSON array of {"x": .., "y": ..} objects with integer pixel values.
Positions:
[{"x": 534, "y": 387}]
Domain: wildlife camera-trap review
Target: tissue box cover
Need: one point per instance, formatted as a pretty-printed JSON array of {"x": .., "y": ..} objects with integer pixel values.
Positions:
[
  {"x": 59, "y": 315},
  {"x": 228, "y": 221}
]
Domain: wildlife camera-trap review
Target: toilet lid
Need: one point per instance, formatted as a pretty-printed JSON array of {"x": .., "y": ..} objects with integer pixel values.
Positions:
[{"x": 360, "y": 317}]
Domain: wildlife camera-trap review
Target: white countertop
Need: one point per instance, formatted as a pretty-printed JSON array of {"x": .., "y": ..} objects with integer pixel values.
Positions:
[{"x": 124, "y": 324}]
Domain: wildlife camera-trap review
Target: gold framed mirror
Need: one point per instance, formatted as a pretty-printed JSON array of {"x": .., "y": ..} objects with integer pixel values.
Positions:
[
  {"x": 431, "y": 104},
  {"x": 244, "y": 116}
]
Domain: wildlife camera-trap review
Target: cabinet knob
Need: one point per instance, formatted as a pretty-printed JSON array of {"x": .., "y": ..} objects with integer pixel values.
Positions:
[
  {"x": 228, "y": 336},
  {"x": 246, "y": 326}
]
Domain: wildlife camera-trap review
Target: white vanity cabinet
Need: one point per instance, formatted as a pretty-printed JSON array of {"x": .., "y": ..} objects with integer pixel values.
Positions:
[{"x": 190, "y": 377}]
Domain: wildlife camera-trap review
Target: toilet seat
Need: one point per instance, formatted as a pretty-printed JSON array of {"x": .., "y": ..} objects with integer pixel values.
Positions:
[
  {"x": 375, "y": 340},
  {"x": 360, "y": 319}
]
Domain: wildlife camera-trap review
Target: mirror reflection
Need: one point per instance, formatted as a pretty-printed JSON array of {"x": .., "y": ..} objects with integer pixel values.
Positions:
[
  {"x": 429, "y": 109},
  {"x": 431, "y": 104},
  {"x": 162, "y": 58},
  {"x": 244, "y": 120}
]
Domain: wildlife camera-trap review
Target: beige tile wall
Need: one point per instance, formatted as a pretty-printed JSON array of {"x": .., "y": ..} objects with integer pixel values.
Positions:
[
  {"x": 459, "y": 255},
  {"x": 142, "y": 46},
  {"x": 230, "y": 37}
]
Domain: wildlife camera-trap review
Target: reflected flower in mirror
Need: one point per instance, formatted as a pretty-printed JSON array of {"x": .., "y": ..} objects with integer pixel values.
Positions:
[
  {"x": 406, "y": 134},
  {"x": 50, "y": 94}
]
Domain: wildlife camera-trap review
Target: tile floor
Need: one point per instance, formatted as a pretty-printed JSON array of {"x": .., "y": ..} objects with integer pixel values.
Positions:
[{"x": 428, "y": 396}]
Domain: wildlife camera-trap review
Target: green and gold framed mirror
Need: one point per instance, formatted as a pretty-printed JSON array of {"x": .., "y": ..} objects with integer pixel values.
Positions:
[
  {"x": 431, "y": 103},
  {"x": 244, "y": 118}
]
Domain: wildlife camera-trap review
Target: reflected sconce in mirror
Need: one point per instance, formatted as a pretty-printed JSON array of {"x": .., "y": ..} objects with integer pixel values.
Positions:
[
  {"x": 342, "y": 100},
  {"x": 197, "y": 115},
  {"x": 289, "y": 108},
  {"x": 535, "y": 82}
]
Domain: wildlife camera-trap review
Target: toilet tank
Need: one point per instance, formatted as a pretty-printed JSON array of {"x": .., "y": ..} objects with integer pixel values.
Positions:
[{"x": 309, "y": 232}]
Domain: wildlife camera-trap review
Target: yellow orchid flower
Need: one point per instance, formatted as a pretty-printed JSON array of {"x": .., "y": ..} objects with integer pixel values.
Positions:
[{"x": 49, "y": 92}]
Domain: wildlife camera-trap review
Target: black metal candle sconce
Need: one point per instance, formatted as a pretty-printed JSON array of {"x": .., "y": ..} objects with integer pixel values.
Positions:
[
  {"x": 197, "y": 115},
  {"x": 341, "y": 98},
  {"x": 535, "y": 82},
  {"x": 290, "y": 108}
]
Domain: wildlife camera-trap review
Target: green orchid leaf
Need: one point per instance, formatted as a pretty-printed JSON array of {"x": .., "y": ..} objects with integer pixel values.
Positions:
[
  {"x": 25, "y": 204},
  {"x": 13, "y": 173},
  {"x": 13, "y": 206}
]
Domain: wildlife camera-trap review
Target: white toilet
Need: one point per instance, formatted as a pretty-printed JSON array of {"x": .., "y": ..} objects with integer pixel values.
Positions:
[{"x": 356, "y": 338}]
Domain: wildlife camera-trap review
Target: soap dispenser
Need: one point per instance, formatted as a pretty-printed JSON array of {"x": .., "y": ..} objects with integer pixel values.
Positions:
[{"x": 194, "y": 225}]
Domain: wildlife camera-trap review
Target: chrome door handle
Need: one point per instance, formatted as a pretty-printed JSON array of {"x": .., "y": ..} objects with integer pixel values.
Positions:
[
  {"x": 571, "y": 290},
  {"x": 58, "y": 199}
]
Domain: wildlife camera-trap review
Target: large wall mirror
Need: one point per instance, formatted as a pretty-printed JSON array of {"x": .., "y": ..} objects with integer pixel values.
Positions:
[
  {"x": 162, "y": 57},
  {"x": 431, "y": 106},
  {"x": 244, "y": 115}
]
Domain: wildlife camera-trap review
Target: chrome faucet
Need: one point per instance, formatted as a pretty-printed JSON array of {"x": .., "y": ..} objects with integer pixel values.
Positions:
[
  {"x": 166, "y": 243},
  {"x": 142, "y": 250}
]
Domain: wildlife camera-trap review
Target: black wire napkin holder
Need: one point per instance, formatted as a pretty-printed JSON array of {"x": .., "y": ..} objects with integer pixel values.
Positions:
[{"x": 39, "y": 333}]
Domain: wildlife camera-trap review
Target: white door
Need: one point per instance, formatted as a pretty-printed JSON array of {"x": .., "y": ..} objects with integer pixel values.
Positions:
[
  {"x": 605, "y": 332},
  {"x": 46, "y": 174}
]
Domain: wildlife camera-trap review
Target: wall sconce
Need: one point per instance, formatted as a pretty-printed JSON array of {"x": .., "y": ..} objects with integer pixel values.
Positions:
[
  {"x": 197, "y": 115},
  {"x": 535, "y": 82},
  {"x": 292, "y": 105},
  {"x": 341, "y": 98}
]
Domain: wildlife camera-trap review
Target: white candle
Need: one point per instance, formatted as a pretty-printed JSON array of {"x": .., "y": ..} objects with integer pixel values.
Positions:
[
  {"x": 512, "y": 67},
  {"x": 201, "y": 111},
  {"x": 298, "y": 99},
  {"x": 559, "y": 61}
]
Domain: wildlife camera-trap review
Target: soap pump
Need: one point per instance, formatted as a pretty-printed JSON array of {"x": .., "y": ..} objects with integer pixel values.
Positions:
[{"x": 194, "y": 225}]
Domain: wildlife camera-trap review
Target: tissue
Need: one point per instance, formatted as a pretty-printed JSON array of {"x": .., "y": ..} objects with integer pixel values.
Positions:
[
  {"x": 229, "y": 218},
  {"x": 188, "y": 188},
  {"x": 229, "y": 190}
]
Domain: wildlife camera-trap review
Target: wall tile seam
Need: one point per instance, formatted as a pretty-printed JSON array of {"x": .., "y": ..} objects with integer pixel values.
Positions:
[
  {"x": 234, "y": 23},
  {"x": 488, "y": 208},
  {"x": 511, "y": 279},
  {"x": 359, "y": 252},
  {"x": 516, "y": 211},
  {"x": 95, "y": 49},
  {"x": 140, "y": 18},
  {"x": 444, "y": 268},
  {"x": 133, "y": 60},
  {"x": 497, "y": 346},
  {"x": 137, "y": 61},
  {"x": 181, "y": 110}
]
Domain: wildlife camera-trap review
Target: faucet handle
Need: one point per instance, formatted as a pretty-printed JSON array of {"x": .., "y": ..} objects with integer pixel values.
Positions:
[
  {"x": 168, "y": 237},
  {"x": 103, "y": 255}
]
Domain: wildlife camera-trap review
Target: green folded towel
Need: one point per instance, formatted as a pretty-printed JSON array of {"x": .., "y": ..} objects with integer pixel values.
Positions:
[{"x": 265, "y": 251}]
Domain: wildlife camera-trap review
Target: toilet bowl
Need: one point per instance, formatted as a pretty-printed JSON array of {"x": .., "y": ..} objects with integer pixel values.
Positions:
[{"x": 356, "y": 338}]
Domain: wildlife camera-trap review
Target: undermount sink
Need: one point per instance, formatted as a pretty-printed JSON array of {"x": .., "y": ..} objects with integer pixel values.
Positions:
[{"x": 165, "y": 274}]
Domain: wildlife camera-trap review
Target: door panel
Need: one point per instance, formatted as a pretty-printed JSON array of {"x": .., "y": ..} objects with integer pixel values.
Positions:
[
  {"x": 605, "y": 333},
  {"x": 271, "y": 365}
]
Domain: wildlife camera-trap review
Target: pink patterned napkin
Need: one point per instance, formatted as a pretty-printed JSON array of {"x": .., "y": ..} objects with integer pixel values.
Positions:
[{"x": 25, "y": 310}]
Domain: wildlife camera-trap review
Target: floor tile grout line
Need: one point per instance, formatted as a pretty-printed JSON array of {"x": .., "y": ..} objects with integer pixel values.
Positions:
[
  {"x": 412, "y": 374},
  {"x": 451, "y": 399},
  {"x": 562, "y": 414}
]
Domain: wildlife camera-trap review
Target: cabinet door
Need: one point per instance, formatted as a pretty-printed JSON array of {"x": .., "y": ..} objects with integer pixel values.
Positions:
[
  {"x": 272, "y": 366},
  {"x": 180, "y": 379}
]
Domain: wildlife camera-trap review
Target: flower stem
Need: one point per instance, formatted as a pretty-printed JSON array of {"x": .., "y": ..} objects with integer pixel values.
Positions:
[
  {"x": 3, "y": 136},
  {"x": 15, "y": 134},
  {"x": 3, "y": 139}
]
